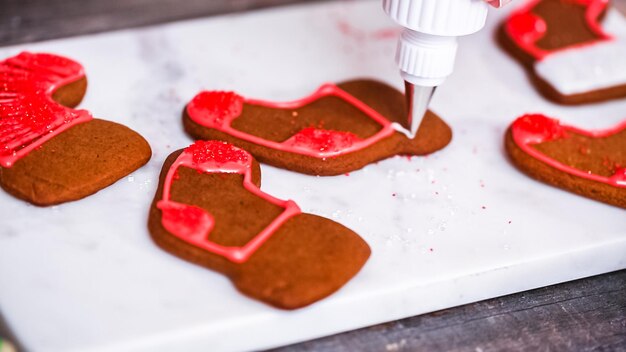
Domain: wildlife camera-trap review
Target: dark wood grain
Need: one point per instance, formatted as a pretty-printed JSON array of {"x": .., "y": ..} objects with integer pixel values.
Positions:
[
  {"x": 582, "y": 315},
  {"x": 23, "y": 21}
]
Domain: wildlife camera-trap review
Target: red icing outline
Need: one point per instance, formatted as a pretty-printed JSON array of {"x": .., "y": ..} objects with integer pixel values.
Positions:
[
  {"x": 537, "y": 128},
  {"x": 28, "y": 115},
  {"x": 525, "y": 28},
  {"x": 210, "y": 109},
  {"x": 192, "y": 224}
]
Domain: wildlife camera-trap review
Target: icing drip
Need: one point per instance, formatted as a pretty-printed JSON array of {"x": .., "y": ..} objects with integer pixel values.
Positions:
[
  {"x": 218, "y": 109},
  {"x": 536, "y": 128},
  {"x": 28, "y": 114},
  {"x": 192, "y": 224}
]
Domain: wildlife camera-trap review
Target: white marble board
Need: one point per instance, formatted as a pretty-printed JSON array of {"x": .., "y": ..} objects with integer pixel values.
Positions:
[{"x": 455, "y": 227}]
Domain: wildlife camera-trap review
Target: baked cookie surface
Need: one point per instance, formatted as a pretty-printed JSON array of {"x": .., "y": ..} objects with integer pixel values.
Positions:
[
  {"x": 573, "y": 50},
  {"x": 51, "y": 153},
  {"x": 337, "y": 129},
  {"x": 209, "y": 210},
  {"x": 588, "y": 163}
]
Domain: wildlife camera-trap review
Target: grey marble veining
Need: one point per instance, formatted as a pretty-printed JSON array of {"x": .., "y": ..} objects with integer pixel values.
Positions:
[{"x": 454, "y": 227}]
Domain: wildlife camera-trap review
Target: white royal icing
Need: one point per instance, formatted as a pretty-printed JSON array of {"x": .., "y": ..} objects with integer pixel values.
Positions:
[{"x": 592, "y": 67}]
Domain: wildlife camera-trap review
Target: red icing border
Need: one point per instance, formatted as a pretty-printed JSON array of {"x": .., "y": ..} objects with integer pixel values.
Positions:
[
  {"x": 526, "y": 28},
  {"x": 28, "y": 115},
  {"x": 536, "y": 128},
  {"x": 214, "y": 109},
  {"x": 192, "y": 224}
]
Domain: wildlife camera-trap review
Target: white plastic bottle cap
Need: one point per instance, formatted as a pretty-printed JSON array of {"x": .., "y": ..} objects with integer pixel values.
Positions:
[
  {"x": 427, "y": 47},
  {"x": 450, "y": 18}
]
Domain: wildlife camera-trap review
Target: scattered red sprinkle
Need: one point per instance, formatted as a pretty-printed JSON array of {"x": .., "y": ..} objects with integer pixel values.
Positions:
[
  {"x": 347, "y": 174},
  {"x": 393, "y": 194},
  {"x": 509, "y": 221},
  {"x": 484, "y": 207},
  {"x": 386, "y": 33},
  {"x": 430, "y": 249},
  {"x": 584, "y": 150}
]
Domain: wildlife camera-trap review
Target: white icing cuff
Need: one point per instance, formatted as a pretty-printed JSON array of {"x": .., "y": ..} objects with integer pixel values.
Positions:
[
  {"x": 585, "y": 69},
  {"x": 589, "y": 68}
]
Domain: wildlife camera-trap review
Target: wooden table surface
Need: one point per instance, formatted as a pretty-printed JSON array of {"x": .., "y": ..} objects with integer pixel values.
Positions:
[{"x": 583, "y": 315}]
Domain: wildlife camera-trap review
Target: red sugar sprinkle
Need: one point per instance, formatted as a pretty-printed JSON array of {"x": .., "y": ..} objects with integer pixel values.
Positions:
[
  {"x": 216, "y": 107},
  {"x": 538, "y": 128},
  {"x": 26, "y": 110},
  {"x": 584, "y": 150},
  {"x": 220, "y": 152}
]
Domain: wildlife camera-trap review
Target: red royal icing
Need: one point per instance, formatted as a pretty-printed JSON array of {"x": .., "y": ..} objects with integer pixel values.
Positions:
[
  {"x": 218, "y": 109},
  {"x": 192, "y": 224},
  {"x": 525, "y": 28},
  {"x": 322, "y": 140},
  {"x": 536, "y": 128},
  {"x": 28, "y": 115}
]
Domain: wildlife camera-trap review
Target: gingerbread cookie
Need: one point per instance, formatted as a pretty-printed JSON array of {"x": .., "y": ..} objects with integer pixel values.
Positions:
[
  {"x": 335, "y": 130},
  {"x": 51, "y": 153},
  {"x": 574, "y": 50},
  {"x": 209, "y": 210},
  {"x": 589, "y": 163}
]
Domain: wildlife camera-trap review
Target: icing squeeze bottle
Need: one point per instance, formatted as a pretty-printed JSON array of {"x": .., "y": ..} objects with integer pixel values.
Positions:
[{"x": 427, "y": 46}]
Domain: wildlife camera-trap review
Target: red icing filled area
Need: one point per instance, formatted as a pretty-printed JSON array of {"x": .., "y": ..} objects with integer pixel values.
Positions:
[
  {"x": 217, "y": 152},
  {"x": 527, "y": 27},
  {"x": 537, "y": 128},
  {"x": 322, "y": 140},
  {"x": 185, "y": 220},
  {"x": 27, "y": 111},
  {"x": 216, "y": 108}
]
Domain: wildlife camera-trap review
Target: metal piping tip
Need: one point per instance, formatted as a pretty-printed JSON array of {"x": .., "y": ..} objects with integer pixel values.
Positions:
[{"x": 418, "y": 98}]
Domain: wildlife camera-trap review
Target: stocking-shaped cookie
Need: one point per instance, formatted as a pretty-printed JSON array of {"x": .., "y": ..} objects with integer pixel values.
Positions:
[
  {"x": 51, "y": 153},
  {"x": 574, "y": 50},
  {"x": 589, "y": 163},
  {"x": 335, "y": 130},
  {"x": 209, "y": 210}
]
